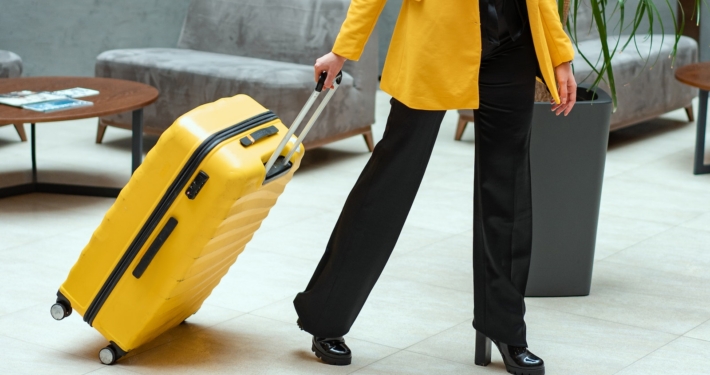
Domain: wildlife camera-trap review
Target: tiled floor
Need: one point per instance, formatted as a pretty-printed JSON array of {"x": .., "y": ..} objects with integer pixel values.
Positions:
[{"x": 649, "y": 311}]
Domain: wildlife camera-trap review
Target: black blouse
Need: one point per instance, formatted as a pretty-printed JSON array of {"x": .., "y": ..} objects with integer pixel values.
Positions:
[{"x": 495, "y": 27}]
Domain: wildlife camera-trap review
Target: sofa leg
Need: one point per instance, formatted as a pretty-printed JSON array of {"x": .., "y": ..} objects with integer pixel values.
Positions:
[
  {"x": 689, "y": 112},
  {"x": 21, "y": 131},
  {"x": 460, "y": 128},
  {"x": 369, "y": 139},
  {"x": 100, "y": 132}
]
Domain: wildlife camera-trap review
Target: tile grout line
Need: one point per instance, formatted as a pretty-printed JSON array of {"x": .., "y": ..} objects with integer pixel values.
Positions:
[
  {"x": 48, "y": 348},
  {"x": 642, "y": 241},
  {"x": 645, "y": 356},
  {"x": 608, "y": 321},
  {"x": 406, "y": 350}
]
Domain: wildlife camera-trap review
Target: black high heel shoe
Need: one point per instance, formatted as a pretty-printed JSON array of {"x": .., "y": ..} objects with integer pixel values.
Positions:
[
  {"x": 332, "y": 351},
  {"x": 518, "y": 360}
]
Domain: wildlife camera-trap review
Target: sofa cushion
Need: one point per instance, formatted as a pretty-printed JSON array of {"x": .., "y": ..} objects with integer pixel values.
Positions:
[
  {"x": 296, "y": 31},
  {"x": 10, "y": 65},
  {"x": 644, "y": 76},
  {"x": 187, "y": 79}
]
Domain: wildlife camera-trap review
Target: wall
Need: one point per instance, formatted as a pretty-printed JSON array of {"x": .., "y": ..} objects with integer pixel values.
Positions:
[
  {"x": 704, "y": 45},
  {"x": 63, "y": 37}
]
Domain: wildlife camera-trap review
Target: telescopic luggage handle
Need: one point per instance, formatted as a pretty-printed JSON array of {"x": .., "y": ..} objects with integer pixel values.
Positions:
[{"x": 277, "y": 165}]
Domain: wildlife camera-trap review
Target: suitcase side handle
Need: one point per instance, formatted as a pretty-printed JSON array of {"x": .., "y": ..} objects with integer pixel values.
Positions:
[
  {"x": 154, "y": 247},
  {"x": 276, "y": 166}
]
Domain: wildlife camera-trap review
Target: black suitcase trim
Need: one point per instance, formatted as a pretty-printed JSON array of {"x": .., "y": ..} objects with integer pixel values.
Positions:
[{"x": 169, "y": 197}]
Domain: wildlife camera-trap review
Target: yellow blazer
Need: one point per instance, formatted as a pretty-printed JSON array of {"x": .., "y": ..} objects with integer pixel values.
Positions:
[{"x": 435, "y": 52}]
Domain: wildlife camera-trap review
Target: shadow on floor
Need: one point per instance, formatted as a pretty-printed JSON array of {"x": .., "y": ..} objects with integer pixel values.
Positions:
[
  {"x": 324, "y": 156},
  {"x": 124, "y": 143},
  {"x": 645, "y": 130}
]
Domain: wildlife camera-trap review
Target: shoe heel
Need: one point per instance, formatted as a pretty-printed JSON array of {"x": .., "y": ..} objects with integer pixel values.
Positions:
[{"x": 483, "y": 350}]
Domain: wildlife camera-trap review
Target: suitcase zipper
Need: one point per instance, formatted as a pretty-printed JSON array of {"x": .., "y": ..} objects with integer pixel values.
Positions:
[{"x": 172, "y": 193}]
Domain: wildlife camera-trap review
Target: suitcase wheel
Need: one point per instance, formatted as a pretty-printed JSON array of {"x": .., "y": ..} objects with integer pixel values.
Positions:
[
  {"x": 110, "y": 354},
  {"x": 107, "y": 356},
  {"x": 60, "y": 310}
]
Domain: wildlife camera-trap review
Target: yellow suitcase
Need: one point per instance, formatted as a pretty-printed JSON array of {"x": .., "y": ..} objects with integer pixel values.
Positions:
[{"x": 183, "y": 218}]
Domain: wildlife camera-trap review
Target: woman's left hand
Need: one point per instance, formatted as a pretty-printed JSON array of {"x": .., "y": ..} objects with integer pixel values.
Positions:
[{"x": 567, "y": 87}]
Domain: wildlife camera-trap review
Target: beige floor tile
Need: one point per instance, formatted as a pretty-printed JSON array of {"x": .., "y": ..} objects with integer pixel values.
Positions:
[
  {"x": 702, "y": 332},
  {"x": 443, "y": 210},
  {"x": 615, "y": 168},
  {"x": 633, "y": 279},
  {"x": 400, "y": 313},
  {"x": 26, "y": 284},
  {"x": 248, "y": 345},
  {"x": 112, "y": 370},
  {"x": 282, "y": 310},
  {"x": 669, "y": 314},
  {"x": 414, "y": 238},
  {"x": 674, "y": 171},
  {"x": 562, "y": 340},
  {"x": 618, "y": 233},
  {"x": 701, "y": 222},
  {"x": 446, "y": 264},
  {"x": 626, "y": 197},
  {"x": 260, "y": 278},
  {"x": 680, "y": 357},
  {"x": 406, "y": 362},
  {"x": 22, "y": 358},
  {"x": 306, "y": 238},
  {"x": 22, "y": 220},
  {"x": 679, "y": 250}
]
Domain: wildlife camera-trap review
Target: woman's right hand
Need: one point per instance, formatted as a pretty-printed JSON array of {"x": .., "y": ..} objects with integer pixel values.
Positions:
[{"x": 330, "y": 63}]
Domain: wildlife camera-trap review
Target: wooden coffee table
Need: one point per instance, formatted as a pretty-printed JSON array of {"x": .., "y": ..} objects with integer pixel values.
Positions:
[
  {"x": 698, "y": 75},
  {"x": 116, "y": 96}
]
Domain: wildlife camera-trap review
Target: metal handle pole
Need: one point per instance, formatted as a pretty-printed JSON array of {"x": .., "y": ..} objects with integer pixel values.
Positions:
[
  {"x": 301, "y": 116},
  {"x": 312, "y": 121},
  {"x": 292, "y": 130}
]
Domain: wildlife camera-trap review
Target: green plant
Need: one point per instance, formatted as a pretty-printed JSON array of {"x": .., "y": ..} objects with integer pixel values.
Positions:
[{"x": 625, "y": 32}]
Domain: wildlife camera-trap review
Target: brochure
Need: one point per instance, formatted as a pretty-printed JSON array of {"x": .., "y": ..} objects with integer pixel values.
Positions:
[
  {"x": 77, "y": 92},
  {"x": 21, "y": 98},
  {"x": 26, "y": 97},
  {"x": 57, "y": 105}
]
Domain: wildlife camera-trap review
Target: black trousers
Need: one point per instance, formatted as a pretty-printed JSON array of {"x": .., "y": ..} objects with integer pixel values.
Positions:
[{"x": 377, "y": 207}]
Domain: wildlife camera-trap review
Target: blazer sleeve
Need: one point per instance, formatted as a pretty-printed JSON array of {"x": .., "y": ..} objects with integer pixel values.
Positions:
[
  {"x": 359, "y": 23},
  {"x": 558, "y": 42}
]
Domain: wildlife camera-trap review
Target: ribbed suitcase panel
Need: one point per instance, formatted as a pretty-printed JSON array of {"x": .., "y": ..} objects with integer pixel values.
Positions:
[{"x": 211, "y": 231}]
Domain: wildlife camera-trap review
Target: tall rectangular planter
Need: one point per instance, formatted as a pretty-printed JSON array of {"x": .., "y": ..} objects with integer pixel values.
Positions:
[{"x": 567, "y": 167}]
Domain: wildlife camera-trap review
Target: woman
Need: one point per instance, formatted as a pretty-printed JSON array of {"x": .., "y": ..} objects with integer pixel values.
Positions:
[{"x": 446, "y": 54}]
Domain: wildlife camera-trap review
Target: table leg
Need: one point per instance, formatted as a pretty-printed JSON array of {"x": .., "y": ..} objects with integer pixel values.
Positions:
[
  {"x": 33, "y": 148},
  {"x": 137, "y": 148},
  {"x": 700, "y": 166}
]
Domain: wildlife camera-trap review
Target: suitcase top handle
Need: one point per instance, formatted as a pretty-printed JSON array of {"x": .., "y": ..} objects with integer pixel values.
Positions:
[{"x": 277, "y": 165}]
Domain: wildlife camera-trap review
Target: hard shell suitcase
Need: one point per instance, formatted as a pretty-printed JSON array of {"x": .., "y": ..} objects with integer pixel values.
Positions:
[{"x": 183, "y": 218}]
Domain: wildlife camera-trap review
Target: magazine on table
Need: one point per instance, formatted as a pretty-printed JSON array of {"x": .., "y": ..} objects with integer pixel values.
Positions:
[
  {"x": 57, "y": 105},
  {"x": 27, "y": 98}
]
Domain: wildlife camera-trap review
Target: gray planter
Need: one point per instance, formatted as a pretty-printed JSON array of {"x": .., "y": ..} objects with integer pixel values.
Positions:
[{"x": 567, "y": 166}]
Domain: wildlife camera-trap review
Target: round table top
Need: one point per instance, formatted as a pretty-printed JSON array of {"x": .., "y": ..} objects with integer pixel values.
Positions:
[
  {"x": 115, "y": 96},
  {"x": 696, "y": 75}
]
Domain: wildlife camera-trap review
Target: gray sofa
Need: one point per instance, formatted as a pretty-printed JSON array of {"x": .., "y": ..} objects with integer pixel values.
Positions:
[
  {"x": 11, "y": 67},
  {"x": 262, "y": 48},
  {"x": 645, "y": 87}
]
